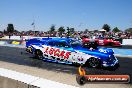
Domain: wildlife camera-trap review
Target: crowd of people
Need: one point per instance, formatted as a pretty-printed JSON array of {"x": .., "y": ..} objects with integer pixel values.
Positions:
[{"x": 76, "y": 34}]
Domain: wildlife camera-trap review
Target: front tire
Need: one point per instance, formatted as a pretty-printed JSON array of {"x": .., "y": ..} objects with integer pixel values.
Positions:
[{"x": 93, "y": 62}]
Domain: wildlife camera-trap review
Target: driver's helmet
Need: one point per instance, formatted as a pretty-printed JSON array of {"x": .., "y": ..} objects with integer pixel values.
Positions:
[{"x": 91, "y": 44}]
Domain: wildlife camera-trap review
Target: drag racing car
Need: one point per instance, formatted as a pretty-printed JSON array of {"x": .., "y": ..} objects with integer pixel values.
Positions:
[
  {"x": 71, "y": 51},
  {"x": 103, "y": 41}
]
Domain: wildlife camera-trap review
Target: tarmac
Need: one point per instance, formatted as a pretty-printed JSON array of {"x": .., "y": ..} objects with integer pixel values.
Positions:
[{"x": 22, "y": 62}]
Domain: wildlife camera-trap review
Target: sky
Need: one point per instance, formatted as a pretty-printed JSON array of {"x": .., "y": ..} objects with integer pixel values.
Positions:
[{"x": 80, "y": 14}]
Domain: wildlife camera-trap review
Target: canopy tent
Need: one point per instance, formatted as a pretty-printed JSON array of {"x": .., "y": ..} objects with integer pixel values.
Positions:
[{"x": 102, "y": 30}]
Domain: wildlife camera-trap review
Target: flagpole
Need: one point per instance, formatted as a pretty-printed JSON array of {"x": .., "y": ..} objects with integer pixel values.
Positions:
[
  {"x": 34, "y": 28},
  {"x": 34, "y": 25}
]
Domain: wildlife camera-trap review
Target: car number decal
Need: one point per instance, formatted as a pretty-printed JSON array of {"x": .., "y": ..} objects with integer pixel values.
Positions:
[
  {"x": 101, "y": 41},
  {"x": 101, "y": 50}
]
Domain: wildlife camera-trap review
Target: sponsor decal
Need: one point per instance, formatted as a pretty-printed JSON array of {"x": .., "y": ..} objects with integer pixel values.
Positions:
[
  {"x": 80, "y": 58},
  {"x": 101, "y": 50},
  {"x": 57, "y": 52},
  {"x": 15, "y": 42},
  {"x": 101, "y": 41}
]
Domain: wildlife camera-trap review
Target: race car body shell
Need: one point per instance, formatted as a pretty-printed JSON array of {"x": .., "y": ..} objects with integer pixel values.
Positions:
[
  {"x": 103, "y": 42},
  {"x": 70, "y": 54}
]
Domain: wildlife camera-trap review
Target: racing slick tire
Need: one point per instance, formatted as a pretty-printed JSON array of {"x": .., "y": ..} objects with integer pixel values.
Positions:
[
  {"x": 111, "y": 44},
  {"x": 38, "y": 54},
  {"x": 93, "y": 62},
  {"x": 81, "y": 80}
]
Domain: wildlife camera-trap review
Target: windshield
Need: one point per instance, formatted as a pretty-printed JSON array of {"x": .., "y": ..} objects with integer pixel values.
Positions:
[{"x": 75, "y": 43}]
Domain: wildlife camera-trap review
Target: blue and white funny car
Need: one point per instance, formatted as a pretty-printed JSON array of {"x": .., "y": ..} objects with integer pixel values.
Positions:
[{"x": 70, "y": 51}]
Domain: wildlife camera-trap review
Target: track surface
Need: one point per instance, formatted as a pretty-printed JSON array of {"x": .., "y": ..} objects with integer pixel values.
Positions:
[
  {"x": 120, "y": 47},
  {"x": 20, "y": 57}
]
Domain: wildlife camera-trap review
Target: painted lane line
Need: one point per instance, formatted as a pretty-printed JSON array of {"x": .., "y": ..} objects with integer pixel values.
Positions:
[
  {"x": 17, "y": 75},
  {"x": 44, "y": 83},
  {"x": 32, "y": 80},
  {"x": 120, "y": 55}
]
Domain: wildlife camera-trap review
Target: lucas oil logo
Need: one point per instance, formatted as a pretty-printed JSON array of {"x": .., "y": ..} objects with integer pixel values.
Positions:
[{"x": 57, "y": 52}]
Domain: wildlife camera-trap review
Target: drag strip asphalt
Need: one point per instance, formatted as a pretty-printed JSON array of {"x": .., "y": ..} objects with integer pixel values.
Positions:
[{"x": 20, "y": 57}]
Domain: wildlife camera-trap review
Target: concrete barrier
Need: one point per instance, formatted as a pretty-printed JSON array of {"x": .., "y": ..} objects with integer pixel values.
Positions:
[
  {"x": 124, "y": 41},
  {"x": 127, "y": 42},
  {"x": 2, "y": 42},
  {"x": 20, "y": 38}
]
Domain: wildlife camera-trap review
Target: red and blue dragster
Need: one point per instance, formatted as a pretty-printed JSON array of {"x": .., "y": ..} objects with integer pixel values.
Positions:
[{"x": 103, "y": 41}]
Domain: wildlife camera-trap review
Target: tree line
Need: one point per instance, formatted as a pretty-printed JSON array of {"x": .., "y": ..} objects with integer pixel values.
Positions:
[{"x": 61, "y": 30}]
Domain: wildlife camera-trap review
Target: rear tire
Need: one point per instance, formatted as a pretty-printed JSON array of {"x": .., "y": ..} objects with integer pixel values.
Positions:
[
  {"x": 38, "y": 54},
  {"x": 111, "y": 44}
]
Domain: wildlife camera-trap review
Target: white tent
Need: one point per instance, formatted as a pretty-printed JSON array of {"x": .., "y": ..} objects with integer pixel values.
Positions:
[{"x": 102, "y": 30}]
